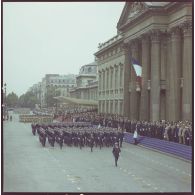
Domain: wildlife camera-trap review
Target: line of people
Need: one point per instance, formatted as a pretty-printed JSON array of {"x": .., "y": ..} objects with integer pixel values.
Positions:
[
  {"x": 180, "y": 131},
  {"x": 78, "y": 136}
]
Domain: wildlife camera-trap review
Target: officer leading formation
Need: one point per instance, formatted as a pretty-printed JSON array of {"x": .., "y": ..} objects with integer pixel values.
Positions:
[{"x": 79, "y": 135}]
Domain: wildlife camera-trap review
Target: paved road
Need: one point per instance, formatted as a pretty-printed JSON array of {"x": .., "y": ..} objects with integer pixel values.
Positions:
[{"x": 28, "y": 167}]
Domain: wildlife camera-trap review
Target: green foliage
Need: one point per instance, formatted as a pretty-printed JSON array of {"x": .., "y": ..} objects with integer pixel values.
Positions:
[
  {"x": 11, "y": 99},
  {"x": 51, "y": 92},
  {"x": 28, "y": 100}
]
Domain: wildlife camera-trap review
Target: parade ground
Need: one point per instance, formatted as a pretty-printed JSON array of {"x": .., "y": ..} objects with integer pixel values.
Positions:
[{"x": 29, "y": 167}]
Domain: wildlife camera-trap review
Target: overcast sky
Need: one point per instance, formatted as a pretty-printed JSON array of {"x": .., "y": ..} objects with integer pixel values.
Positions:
[{"x": 53, "y": 37}]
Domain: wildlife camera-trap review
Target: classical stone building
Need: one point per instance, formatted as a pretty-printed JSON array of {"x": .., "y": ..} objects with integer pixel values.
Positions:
[
  {"x": 86, "y": 83},
  {"x": 159, "y": 36},
  {"x": 61, "y": 83}
]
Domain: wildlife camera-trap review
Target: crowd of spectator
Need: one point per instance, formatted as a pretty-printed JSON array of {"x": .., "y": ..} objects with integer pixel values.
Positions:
[{"x": 180, "y": 131}]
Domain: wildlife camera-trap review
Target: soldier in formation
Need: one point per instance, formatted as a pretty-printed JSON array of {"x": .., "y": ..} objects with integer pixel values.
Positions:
[{"x": 78, "y": 135}]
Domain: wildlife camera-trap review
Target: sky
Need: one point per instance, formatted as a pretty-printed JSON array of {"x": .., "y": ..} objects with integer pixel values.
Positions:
[{"x": 53, "y": 37}]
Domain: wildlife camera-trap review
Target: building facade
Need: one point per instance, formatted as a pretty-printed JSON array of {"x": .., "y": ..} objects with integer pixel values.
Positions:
[
  {"x": 86, "y": 83},
  {"x": 61, "y": 83},
  {"x": 159, "y": 36}
]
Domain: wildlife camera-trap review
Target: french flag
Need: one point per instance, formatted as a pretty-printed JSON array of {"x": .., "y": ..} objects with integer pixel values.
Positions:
[{"x": 137, "y": 68}]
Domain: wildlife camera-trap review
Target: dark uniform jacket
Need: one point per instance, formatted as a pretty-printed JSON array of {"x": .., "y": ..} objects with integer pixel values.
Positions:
[{"x": 116, "y": 151}]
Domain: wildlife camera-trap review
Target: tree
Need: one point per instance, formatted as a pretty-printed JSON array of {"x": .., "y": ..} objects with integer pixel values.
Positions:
[
  {"x": 12, "y": 99},
  {"x": 51, "y": 93},
  {"x": 28, "y": 100}
]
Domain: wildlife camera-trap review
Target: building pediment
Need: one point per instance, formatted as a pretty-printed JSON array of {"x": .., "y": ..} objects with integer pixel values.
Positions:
[
  {"x": 130, "y": 11},
  {"x": 133, "y": 10}
]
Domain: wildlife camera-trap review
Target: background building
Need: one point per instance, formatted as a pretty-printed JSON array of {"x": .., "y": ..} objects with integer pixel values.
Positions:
[
  {"x": 159, "y": 36},
  {"x": 60, "y": 83},
  {"x": 86, "y": 83}
]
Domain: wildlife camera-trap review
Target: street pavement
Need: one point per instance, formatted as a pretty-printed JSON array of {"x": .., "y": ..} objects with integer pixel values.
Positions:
[{"x": 29, "y": 167}]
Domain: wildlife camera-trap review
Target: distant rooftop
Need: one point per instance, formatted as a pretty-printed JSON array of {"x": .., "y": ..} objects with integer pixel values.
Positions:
[{"x": 89, "y": 68}]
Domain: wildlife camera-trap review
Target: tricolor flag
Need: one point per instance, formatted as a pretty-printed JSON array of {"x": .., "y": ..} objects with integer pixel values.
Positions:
[{"x": 137, "y": 68}]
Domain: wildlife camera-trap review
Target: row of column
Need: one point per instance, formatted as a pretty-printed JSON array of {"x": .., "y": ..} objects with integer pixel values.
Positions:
[
  {"x": 178, "y": 61},
  {"x": 111, "y": 78},
  {"x": 111, "y": 106}
]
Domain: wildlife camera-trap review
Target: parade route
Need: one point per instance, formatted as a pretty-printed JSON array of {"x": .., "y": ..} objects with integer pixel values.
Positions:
[{"x": 29, "y": 167}]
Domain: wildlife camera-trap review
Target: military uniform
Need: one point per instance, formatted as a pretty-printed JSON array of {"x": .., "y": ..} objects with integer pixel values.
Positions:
[{"x": 116, "y": 151}]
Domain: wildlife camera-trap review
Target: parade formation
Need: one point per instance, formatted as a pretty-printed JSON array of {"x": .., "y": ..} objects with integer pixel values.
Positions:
[
  {"x": 77, "y": 134},
  {"x": 132, "y": 103},
  {"x": 35, "y": 118}
]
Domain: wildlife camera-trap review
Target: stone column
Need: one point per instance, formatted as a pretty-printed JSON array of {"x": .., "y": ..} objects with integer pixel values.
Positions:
[
  {"x": 133, "y": 94},
  {"x": 113, "y": 106},
  {"x": 102, "y": 80},
  {"x": 127, "y": 69},
  {"x": 187, "y": 72},
  {"x": 163, "y": 76},
  {"x": 103, "y": 94},
  {"x": 111, "y": 78},
  {"x": 168, "y": 76},
  {"x": 108, "y": 111},
  {"x": 116, "y": 77},
  {"x": 107, "y": 79},
  {"x": 100, "y": 106},
  {"x": 119, "y": 77},
  {"x": 119, "y": 109},
  {"x": 155, "y": 75},
  {"x": 116, "y": 105},
  {"x": 99, "y": 80},
  {"x": 175, "y": 72},
  {"x": 144, "y": 107},
  {"x": 113, "y": 83}
]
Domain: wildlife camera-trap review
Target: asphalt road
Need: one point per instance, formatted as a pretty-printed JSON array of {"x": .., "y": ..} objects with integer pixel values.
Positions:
[{"x": 28, "y": 167}]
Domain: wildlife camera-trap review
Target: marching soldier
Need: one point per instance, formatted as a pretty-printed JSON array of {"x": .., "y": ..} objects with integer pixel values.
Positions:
[
  {"x": 91, "y": 142},
  {"x": 116, "y": 151}
]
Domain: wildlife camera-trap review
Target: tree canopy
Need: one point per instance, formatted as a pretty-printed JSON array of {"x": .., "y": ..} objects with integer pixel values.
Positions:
[
  {"x": 12, "y": 100},
  {"x": 51, "y": 93},
  {"x": 28, "y": 100}
]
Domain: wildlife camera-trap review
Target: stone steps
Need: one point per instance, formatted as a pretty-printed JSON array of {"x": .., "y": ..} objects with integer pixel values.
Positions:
[{"x": 177, "y": 149}]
